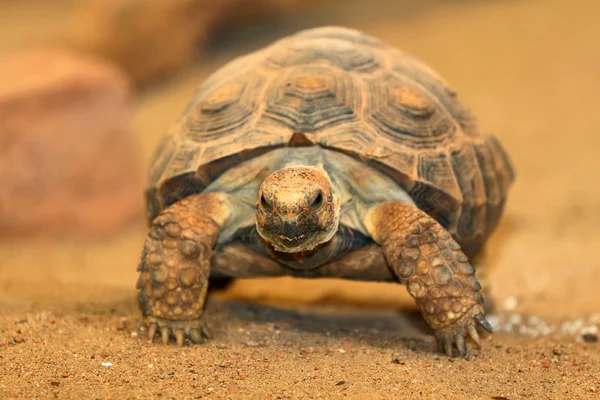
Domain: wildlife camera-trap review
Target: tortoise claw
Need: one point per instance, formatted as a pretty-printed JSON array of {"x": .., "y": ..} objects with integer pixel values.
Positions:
[
  {"x": 166, "y": 335},
  {"x": 205, "y": 332},
  {"x": 452, "y": 346},
  {"x": 179, "y": 337},
  {"x": 195, "y": 336},
  {"x": 483, "y": 322},
  {"x": 152, "y": 332},
  {"x": 461, "y": 345},
  {"x": 193, "y": 330},
  {"x": 474, "y": 335},
  {"x": 448, "y": 349},
  {"x": 452, "y": 338},
  {"x": 440, "y": 346}
]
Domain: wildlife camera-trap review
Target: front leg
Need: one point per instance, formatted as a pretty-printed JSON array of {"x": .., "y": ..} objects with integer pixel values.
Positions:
[
  {"x": 175, "y": 266},
  {"x": 424, "y": 255}
]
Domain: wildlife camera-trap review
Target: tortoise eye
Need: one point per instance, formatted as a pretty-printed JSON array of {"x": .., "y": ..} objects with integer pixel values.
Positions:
[
  {"x": 317, "y": 201},
  {"x": 266, "y": 204}
]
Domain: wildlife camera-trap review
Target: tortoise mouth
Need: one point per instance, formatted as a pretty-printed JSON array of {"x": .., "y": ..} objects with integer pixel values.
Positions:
[
  {"x": 304, "y": 260},
  {"x": 293, "y": 241},
  {"x": 293, "y": 245},
  {"x": 290, "y": 236}
]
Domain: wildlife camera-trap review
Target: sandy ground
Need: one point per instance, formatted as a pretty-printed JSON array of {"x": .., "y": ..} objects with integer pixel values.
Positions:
[{"x": 529, "y": 69}]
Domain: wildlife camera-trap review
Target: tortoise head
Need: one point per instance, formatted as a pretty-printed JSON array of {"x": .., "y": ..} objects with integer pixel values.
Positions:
[{"x": 297, "y": 209}]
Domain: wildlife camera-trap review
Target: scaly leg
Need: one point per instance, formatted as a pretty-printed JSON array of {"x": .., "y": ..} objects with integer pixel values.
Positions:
[
  {"x": 175, "y": 266},
  {"x": 424, "y": 256}
]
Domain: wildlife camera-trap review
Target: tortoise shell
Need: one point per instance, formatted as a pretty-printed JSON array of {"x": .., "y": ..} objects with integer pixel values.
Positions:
[{"x": 345, "y": 91}]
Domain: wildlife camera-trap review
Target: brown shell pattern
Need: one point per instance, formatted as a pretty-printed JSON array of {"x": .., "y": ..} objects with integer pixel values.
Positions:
[{"x": 346, "y": 91}]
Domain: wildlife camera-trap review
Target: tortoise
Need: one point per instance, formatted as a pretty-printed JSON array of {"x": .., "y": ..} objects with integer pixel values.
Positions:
[{"x": 327, "y": 153}]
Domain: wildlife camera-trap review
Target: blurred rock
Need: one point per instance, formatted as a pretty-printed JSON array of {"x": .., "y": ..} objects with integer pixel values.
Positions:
[
  {"x": 67, "y": 160},
  {"x": 153, "y": 38}
]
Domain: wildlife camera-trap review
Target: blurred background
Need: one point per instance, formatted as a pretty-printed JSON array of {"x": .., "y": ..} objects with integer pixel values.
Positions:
[{"x": 117, "y": 73}]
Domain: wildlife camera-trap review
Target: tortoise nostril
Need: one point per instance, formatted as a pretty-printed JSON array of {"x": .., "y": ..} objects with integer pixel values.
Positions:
[{"x": 317, "y": 201}]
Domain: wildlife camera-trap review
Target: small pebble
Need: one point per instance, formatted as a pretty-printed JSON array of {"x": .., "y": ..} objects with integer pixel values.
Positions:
[
  {"x": 107, "y": 364},
  {"x": 557, "y": 352},
  {"x": 589, "y": 334}
]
